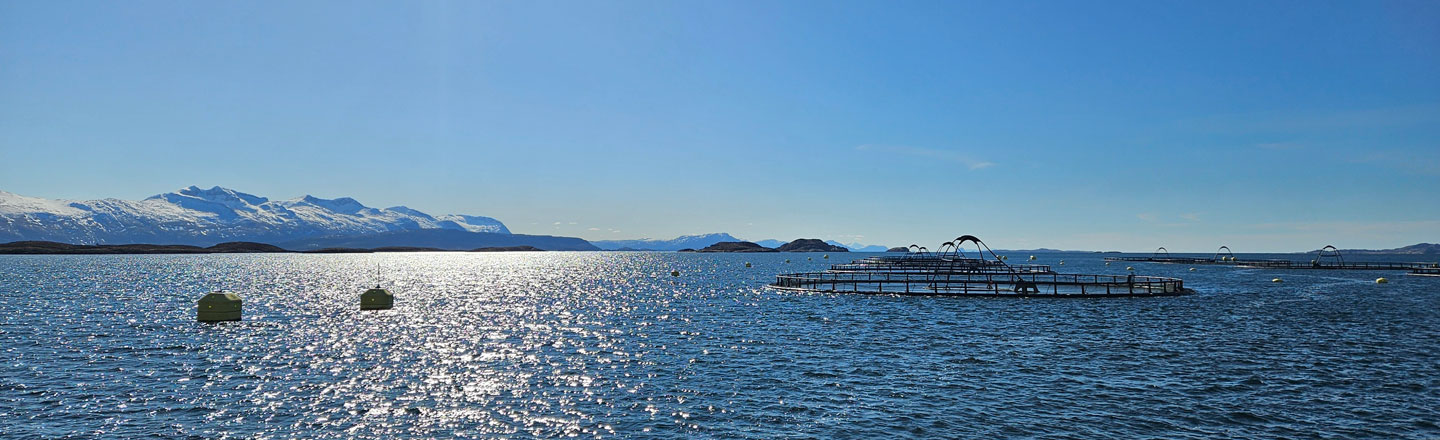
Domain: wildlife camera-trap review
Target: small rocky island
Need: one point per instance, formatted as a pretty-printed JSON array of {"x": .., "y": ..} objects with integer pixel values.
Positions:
[
  {"x": 732, "y": 246},
  {"x": 898, "y": 249},
  {"x": 810, "y": 245},
  {"x": 800, "y": 245}
]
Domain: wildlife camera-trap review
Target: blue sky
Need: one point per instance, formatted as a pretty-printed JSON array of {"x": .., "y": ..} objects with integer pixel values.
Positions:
[{"x": 1265, "y": 126}]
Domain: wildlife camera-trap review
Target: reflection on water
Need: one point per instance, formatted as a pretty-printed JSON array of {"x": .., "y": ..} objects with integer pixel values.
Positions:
[{"x": 609, "y": 344}]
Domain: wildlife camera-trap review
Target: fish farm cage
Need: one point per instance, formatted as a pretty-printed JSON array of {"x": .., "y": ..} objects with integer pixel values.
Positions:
[
  {"x": 1326, "y": 258},
  {"x": 950, "y": 271}
]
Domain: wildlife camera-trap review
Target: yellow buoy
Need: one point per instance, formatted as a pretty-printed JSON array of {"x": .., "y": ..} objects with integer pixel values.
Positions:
[
  {"x": 376, "y": 299},
  {"x": 747, "y": 264},
  {"x": 674, "y": 273},
  {"x": 1277, "y": 280},
  {"x": 218, "y": 306},
  {"x": 1381, "y": 280}
]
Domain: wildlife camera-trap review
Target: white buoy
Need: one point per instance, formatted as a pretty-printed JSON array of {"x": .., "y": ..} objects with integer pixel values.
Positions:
[
  {"x": 1062, "y": 262},
  {"x": 1192, "y": 269},
  {"x": 1107, "y": 263},
  {"x": 1129, "y": 267},
  {"x": 1381, "y": 280},
  {"x": 827, "y": 256},
  {"x": 1277, "y": 280},
  {"x": 1032, "y": 258}
]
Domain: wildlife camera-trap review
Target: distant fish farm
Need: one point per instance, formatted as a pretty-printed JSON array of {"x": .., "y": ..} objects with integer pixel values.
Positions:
[
  {"x": 951, "y": 271},
  {"x": 1327, "y": 258}
]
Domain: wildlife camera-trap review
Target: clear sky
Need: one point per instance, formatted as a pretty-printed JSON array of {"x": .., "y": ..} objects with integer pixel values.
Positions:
[{"x": 1265, "y": 126}]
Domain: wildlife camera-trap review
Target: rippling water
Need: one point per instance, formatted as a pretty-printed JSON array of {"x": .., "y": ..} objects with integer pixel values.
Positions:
[{"x": 611, "y": 345}]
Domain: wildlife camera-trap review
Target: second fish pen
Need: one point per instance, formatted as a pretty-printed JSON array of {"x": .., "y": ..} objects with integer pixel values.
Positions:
[{"x": 951, "y": 272}]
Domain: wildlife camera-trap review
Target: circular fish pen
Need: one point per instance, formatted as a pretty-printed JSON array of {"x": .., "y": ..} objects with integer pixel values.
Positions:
[{"x": 951, "y": 272}]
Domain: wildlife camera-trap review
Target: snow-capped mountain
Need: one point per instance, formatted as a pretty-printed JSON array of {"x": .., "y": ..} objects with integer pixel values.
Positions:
[{"x": 205, "y": 217}]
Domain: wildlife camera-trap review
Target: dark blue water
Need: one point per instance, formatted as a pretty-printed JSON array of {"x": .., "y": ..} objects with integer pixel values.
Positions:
[{"x": 610, "y": 345}]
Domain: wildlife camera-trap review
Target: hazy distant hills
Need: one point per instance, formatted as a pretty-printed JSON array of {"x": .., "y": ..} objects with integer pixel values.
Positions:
[
  {"x": 204, "y": 217},
  {"x": 678, "y": 243},
  {"x": 1414, "y": 249},
  {"x": 702, "y": 241}
]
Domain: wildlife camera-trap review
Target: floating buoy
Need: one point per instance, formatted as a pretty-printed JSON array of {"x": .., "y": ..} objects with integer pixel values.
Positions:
[
  {"x": 747, "y": 264},
  {"x": 809, "y": 258},
  {"x": 827, "y": 256},
  {"x": 1129, "y": 267},
  {"x": 1062, "y": 262},
  {"x": 1107, "y": 263},
  {"x": 376, "y": 299},
  {"x": 218, "y": 306},
  {"x": 674, "y": 273},
  {"x": 1381, "y": 280},
  {"x": 1032, "y": 258},
  {"x": 1192, "y": 269},
  {"x": 1277, "y": 280},
  {"x": 787, "y": 261}
]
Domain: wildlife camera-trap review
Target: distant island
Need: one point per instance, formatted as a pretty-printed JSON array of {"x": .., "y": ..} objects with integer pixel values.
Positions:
[{"x": 800, "y": 245}]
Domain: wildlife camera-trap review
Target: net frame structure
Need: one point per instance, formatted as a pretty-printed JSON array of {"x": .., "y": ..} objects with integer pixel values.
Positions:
[{"x": 950, "y": 271}]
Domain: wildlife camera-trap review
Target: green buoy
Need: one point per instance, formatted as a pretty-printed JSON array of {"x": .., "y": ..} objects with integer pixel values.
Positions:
[
  {"x": 218, "y": 306},
  {"x": 376, "y": 299},
  {"x": 747, "y": 264}
]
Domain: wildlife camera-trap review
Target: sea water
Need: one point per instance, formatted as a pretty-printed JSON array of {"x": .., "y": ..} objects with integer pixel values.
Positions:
[{"x": 609, "y": 344}]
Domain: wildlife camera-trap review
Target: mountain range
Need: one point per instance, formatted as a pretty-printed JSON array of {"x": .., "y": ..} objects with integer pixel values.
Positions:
[{"x": 204, "y": 217}]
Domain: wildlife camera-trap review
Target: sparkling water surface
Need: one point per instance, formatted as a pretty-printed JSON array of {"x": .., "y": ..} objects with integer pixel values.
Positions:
[{"x": 607, "y": 344}]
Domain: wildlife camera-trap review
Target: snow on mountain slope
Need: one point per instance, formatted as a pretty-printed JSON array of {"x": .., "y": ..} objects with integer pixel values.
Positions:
[{"x": 208, "y": 216}]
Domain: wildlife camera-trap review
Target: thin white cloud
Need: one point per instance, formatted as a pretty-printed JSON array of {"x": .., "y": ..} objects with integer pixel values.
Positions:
[{"x": 931, "y": 153}]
